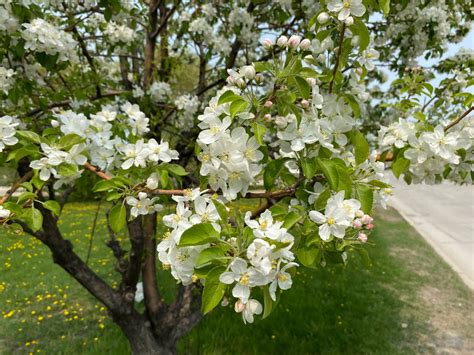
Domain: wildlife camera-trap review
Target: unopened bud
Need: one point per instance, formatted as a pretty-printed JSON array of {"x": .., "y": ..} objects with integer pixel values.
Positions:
[
  {"x": 359, "y": 71},
  {"x": 305, "y": 103},
  {"x": 248, "y": 71},
  {"x": 258, "y": 78},
  {"x": 267, "y": 117},
  {"x": 305, "y": 44},
  {"x": 54, "y": 123},
  {"x": 359, "y": 213},
  {"x": 282, "y": 41},
  {"x": 366, "y": 219},
  {"x": 370, "y": 226},
  {"x": 362, "y": 237},
  {"x": 294, "y": 41},
  {"x": 323, "y": 17},
  {"x": 357, "y": 224},
  {"x": 349, "y": 21},
  {"x": 225, "y": 302},
  {"x": 239, "y": 306},
  {"x": 311, "y": 81},
  {"x": 268, "y": 104},
  {"x": 267, "y": 44}
]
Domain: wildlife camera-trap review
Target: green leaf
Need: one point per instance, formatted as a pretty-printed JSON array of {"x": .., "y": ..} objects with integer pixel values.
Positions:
[
  {"x": 291, "y": 219},
  {"x": 380, "y": 184},
  {"x": 118, "y": 217},
  {"x": 259, "y": 131},
  {"x": 210, "y": 255},
  {"x": 360, "y": 29},
  {"x": 322, "y": 199},
  {"x": 176, "y": 169},
  {"x": 267, "y": 303},
  {"x": 237, "y": 107},
  {"x": 336, "y": 175},
  {"x": 399, "y": 166},
  {"x": 53, "y": 206},
  {"x": 66, "y": 169},
  {"x": 213, "y": 290},
  {"x": 310, "y": 167},
  {"x": 69, "y": 140},
  {"x": 361, "y": 147},
  {"x": 385, "y": 6},
  {"x": 272, "y": 171},
  {"x": 199, "y": 234},
  {"x": 366, "y": 197},
  {"x": 29, "y": 136},
  {"x": 33, "y": 218},
  {"x": 364, "y": 257},
  {"x": 308, "y": 256},
  {"x": 105, "y": 185},
  {"x": 221, "y": 210},
  {"x": 25, "y": 197},
  {"x": 18, "y": 154},
  {"x": 228, "y": 96},
  {"x": 303, "y": 86}
]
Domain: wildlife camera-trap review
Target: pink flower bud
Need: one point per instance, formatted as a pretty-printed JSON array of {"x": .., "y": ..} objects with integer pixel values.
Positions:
[
  {"x": 362, "y": 237},
  {"x": 366, "y": 219},
  {"x": 311, "y": 81},
  {"x": 323, "y": 17},
  {"x": 359, "y": 71},
  {"x": 305, "y": 44},
  {"x": 370, "y": 226},
  {"x": 268, "y": 104},
  {"x": 357, "y": 224},
  {"x": 282, "y": 41},
  {"x": 305, "y": 103},
  {"x": 239, "y": 306},
  {"x": 267, "y": 43},
  {"x": 294, "y": 41},
  {"x": 267, "y": 117}
]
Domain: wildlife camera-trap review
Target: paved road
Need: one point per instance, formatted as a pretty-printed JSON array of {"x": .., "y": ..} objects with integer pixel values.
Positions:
[{"x": 444, "y": 216}]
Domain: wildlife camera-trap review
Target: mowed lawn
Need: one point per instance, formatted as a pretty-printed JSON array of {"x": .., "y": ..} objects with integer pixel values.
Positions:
[{"x": 409, "y": 301}]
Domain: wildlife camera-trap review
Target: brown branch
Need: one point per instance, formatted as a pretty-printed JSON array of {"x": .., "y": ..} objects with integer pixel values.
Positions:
[
  {"x": 338, "y": 56},
  {"x": 15, "y": 186},
  {"x": 97, "y": 171},
  {"x": 459, "y": 119},
  {"x": 157, "y": 31},
  {"x": 150, "y": 44}
]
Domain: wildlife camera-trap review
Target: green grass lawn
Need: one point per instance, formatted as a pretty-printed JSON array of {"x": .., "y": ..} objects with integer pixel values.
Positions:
[{"x": 409, "y": 301}]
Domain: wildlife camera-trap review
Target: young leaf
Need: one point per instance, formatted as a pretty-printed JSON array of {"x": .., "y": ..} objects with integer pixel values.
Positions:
[
  {"x": 66, "y": 169},
  {"x": 33, "y": 218},
  {"x": 118, "y": 217},
  {"x": 209, "y": 256},
  {"x": 399, "y": 166},
  {"x": 259, "y": 131},
  {"x": 361, "y": 147},
  {"x": 199, "y": 234},
  {"x": 237, "y": 106},
  {"x": 267, "y": 303},
  {"x": 213, "y": 290},
  {"x": 228, "y": 96},
  {"x": 303, "y": 86},
  {"x": 310, "y": 167},
  {"x": 291, "y": 219},
  {"x": 366, "y": 197},
  {"x": 308, "y": 255},
  {"x": 272, "y": 171},
  {"x": 53, "y": 206}
]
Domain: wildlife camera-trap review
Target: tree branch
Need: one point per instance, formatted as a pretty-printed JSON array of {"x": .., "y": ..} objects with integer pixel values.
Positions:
[
  {"x": 338, "y": 56},
  {"x": 459, "y": 119},
  {"x": 16, "y": 186}
]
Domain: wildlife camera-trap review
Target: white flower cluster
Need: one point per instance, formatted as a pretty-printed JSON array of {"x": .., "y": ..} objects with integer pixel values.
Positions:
[
  {"x": 6, "y": 79},
  {"x": 42, "y": 36},
  {"x": 187, "y": 106},
  {"x": 431, "y": 152},
  {"x": 160, "y": 91},
  {"x": 119, "y": 33},
  {"x": 8, "y": 21},
  {"x": 229, "y": 158},
  {"x": 7, "y": 131},
  {"x": 54, "y": 157},
  {"x": 339, "y": 215},
  {"x": 106, "y": 150},
  {"x": 142, "y": 205},
  {"x": 192, "y": 208}
]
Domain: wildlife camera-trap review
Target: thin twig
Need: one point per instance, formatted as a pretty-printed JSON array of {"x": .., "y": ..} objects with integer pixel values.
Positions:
[
  {"x": 15, "y": 187},
  {"x": 338, "y": 56},
  {"x": 459, "y": 119}
]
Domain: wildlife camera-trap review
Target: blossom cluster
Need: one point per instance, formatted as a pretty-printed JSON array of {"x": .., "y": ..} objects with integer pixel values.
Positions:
[
  {"x": 7, "y": 131},
  {"x": 339, "y": 215},
  {"x": 42, "y": 36},
  {"x": 430, "y": 152},
  {"x": 117, "y": 33},
  {"x": 6, "y": 79}
]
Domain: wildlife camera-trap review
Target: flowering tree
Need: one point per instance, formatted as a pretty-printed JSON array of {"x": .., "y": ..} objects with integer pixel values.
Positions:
[{"x": 198, "y": 105}]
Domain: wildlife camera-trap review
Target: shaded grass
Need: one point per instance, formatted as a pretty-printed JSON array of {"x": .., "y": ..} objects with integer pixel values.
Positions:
[{"x": 409, "y": 301}]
